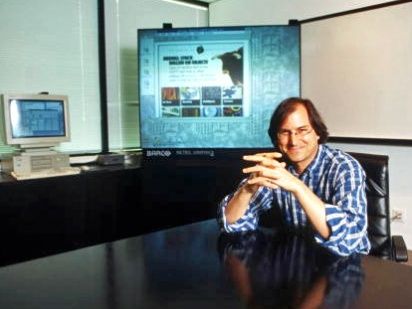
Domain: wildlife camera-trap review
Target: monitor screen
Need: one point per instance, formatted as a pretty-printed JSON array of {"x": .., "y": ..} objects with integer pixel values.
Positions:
[
  {"x": 216, "y": 87},
  {"x": 36, "y": 120}
]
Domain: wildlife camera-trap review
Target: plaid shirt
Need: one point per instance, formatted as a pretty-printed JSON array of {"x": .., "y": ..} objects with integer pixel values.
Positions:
[{"x": 339, "y": 181}]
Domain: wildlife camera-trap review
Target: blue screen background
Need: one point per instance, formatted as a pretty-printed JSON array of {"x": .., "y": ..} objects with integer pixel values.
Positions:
[{"x": 36, "y": 118}]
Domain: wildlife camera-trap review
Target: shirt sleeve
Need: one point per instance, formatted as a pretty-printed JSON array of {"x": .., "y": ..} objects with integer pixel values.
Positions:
[
  {"x": 346, "y": 215},
  {"x": 259, "y": 202}
]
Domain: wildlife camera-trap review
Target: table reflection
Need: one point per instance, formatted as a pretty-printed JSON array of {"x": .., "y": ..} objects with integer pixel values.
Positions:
[{"x": 269, "y": 269}]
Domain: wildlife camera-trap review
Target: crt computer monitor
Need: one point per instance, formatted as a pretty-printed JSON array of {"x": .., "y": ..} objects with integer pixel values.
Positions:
[{"x": 36, "y": 121}]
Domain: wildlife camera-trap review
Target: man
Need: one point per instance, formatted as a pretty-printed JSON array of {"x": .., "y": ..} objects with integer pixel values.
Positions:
[{"x": 310, "y": 183}]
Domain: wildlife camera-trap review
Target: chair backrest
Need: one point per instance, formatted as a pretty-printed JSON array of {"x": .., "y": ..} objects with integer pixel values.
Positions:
[{"x": 377, "y": 193}]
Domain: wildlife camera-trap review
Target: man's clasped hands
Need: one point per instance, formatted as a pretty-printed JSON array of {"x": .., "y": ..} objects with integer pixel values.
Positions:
[{"x": 269, "y": 172}]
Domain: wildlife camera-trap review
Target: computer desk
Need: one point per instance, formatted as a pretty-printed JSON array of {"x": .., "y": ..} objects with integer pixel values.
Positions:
[
  {"x": 195, "y": 266},
  {"x": 39, "y": 217}
]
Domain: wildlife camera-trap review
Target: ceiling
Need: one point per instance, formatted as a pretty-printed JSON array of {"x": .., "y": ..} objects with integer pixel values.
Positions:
[
  {"x": 200, "y": 3},
  {"x": 203, "y": 3},
  {"x": 208, "y": 1}
]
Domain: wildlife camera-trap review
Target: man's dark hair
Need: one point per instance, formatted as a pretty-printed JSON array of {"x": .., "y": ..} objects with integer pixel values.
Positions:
[{"x": 286, "y": 107}]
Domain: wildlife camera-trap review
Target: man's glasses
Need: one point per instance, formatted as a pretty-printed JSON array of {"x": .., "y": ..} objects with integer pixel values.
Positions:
[{"x": 299, "y": 133}]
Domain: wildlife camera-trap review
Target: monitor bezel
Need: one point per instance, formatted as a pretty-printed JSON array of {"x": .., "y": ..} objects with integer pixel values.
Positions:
[
  {"x": 41, "y": 141},
  {"x": 191, "y": 151}
]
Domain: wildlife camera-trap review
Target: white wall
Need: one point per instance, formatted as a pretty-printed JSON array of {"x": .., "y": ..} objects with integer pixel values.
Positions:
[
  {"x": 265, "y": 12},
  {"x": 355, "y": 58},
  {"x": 260, "y": 12},
  {"x": 123, "y": 18}
]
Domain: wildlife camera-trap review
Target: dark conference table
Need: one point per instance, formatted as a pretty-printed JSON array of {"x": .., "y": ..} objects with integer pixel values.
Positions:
[{"x": 194, "y": 266}]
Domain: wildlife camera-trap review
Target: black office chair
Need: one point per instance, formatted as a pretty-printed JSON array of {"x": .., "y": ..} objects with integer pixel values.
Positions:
[{"x": 383, "y": 243}]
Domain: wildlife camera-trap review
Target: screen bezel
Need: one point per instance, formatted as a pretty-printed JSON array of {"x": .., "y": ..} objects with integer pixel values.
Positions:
[{"x": 35, "y": 141}]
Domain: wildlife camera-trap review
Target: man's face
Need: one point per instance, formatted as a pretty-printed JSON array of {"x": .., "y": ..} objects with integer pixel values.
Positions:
[{"x": 297, "y": 139}]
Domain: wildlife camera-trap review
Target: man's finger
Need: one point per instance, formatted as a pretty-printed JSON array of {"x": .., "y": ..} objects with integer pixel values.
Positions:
[
  {"x": 258, "y": 158},
  {"x": 271, "y": 155},
  {"x": 257, "y": 169},
  {"x": 254, "y": 158},
  {"x": 253, "y": 169},
  {"x": 263, "y": 161},
  {"x": 263, "y": 181},
  {"x": 262, "y": 155}
]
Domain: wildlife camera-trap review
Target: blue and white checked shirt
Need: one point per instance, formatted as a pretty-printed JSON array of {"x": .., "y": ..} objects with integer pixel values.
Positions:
[{"x": 339, "y": 181}]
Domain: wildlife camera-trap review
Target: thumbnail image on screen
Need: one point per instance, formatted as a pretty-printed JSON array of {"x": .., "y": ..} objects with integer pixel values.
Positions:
[{"x": 214, "y": 87}]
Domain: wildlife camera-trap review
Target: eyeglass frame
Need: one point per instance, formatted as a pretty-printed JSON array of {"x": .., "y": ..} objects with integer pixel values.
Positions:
[{"x": 299, "y": 133}]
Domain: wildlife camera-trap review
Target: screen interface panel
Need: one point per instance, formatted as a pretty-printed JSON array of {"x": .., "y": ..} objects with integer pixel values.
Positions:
[{"x": 37, "y": 118}]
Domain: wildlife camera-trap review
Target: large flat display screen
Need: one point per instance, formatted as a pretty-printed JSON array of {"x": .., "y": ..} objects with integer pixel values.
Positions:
[{"x": 214, "y": 87}]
